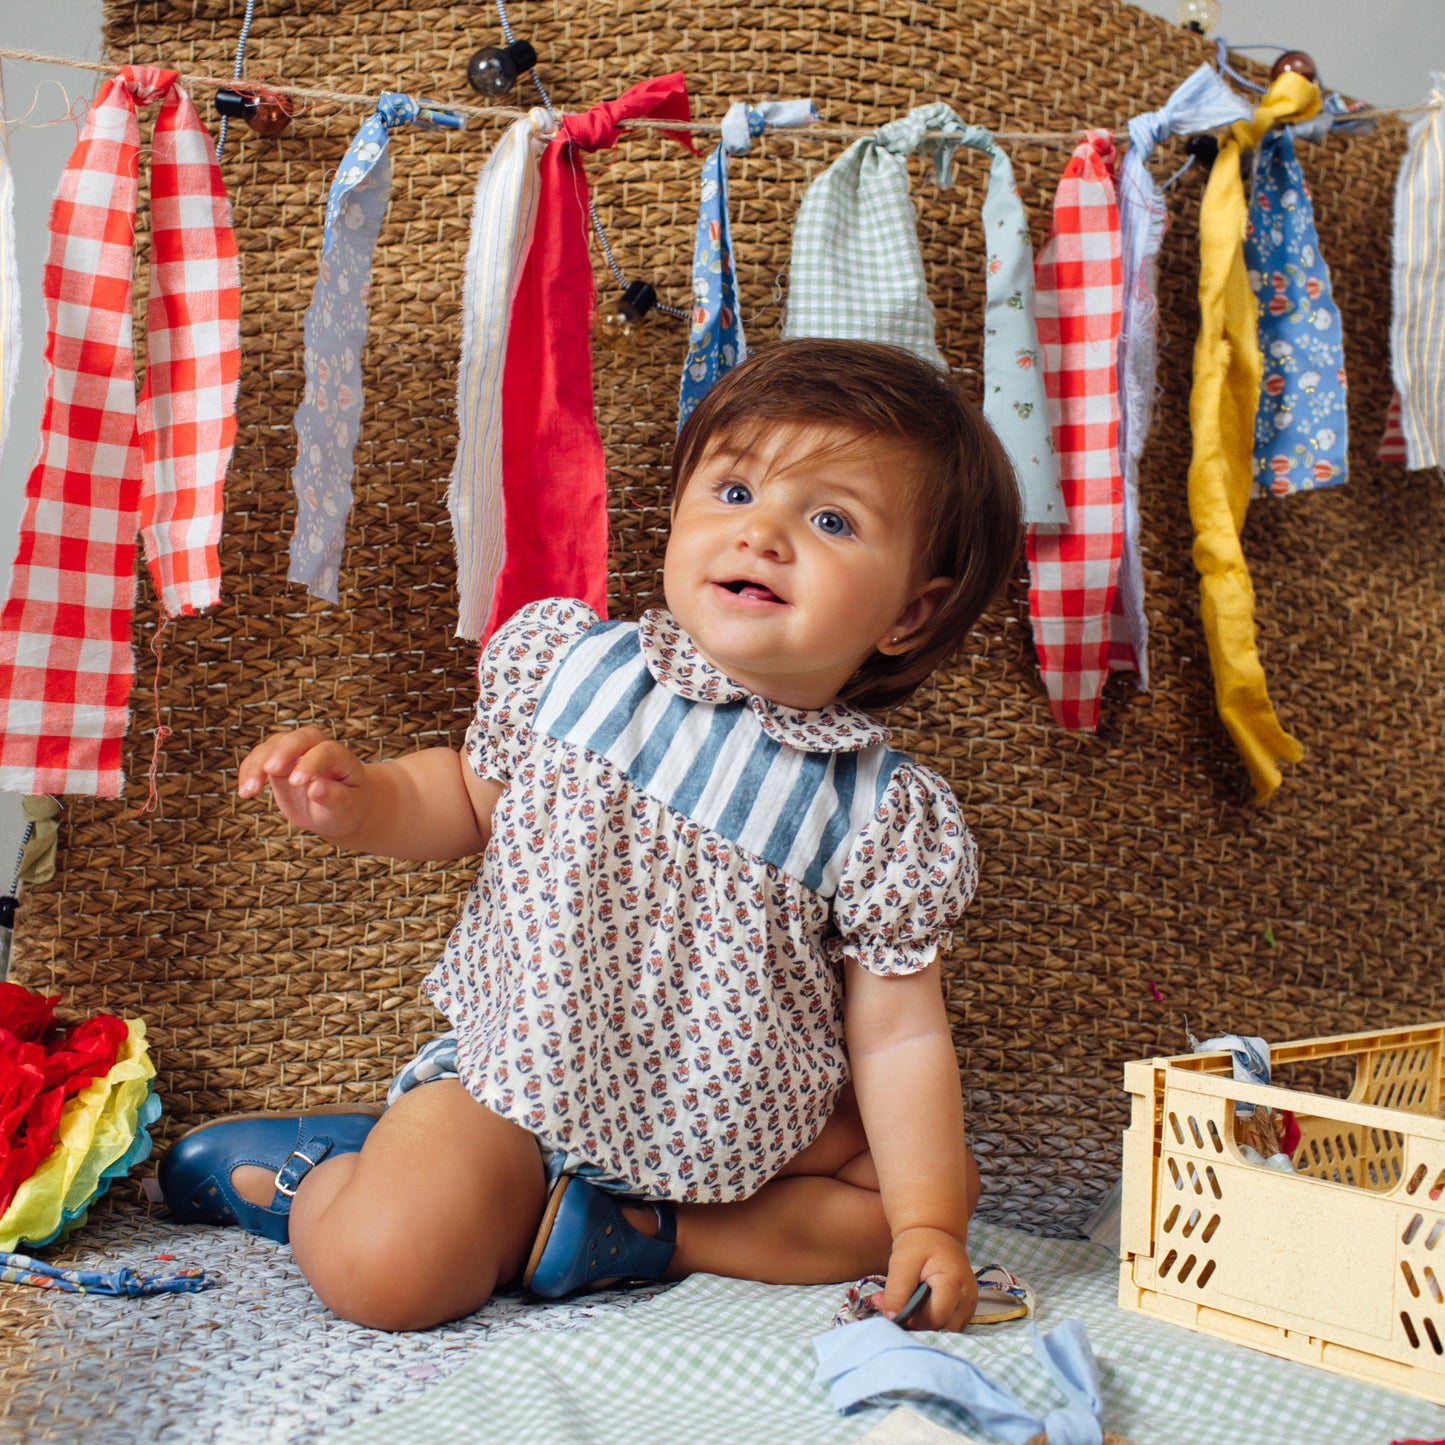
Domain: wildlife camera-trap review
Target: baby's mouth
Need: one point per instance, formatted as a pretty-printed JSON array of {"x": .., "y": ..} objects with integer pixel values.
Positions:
[{"x": 753, "y": 591}]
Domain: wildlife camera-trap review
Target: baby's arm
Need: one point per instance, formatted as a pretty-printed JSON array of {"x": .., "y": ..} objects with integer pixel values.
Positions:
[
  {"x": 905, "y": 1074},
  {"x": 427, "y": 805}
]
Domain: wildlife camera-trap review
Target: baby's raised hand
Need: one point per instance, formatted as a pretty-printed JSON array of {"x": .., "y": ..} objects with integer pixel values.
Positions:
[
  {"x": 940, "y": 1260},
  {"x": 318, "y": 783}
]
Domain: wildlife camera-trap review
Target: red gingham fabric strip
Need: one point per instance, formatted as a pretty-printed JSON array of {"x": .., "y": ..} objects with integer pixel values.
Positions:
[
  {"x": 108, "y": 466},
  {"x": 1073, "y": 570}
]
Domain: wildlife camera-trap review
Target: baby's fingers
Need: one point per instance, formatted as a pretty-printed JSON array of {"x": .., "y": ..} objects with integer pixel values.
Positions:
[{"x": 274, "y": 757}]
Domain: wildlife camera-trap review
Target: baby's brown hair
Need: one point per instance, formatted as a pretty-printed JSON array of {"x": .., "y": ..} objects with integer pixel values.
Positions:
[{"x": 964, "y": 494}]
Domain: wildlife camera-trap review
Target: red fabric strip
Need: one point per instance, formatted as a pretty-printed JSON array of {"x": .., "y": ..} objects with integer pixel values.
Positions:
[{"x": 554, "y": 476}]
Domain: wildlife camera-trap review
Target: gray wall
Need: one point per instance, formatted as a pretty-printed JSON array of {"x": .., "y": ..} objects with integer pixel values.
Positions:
[{"x": 1382, "y": 53}]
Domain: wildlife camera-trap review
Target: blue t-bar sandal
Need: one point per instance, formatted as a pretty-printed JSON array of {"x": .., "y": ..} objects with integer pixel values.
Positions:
[
  {"x": 585, "y": 1241},
  {"x": 195, "y": 1175}
]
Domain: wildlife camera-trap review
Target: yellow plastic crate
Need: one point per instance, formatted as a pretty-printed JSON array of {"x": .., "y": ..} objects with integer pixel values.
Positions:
[{"x": 1340, "y": 1264}]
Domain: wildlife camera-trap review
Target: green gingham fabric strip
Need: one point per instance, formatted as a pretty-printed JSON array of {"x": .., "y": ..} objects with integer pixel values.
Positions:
[
  {"x": 857, "y": 272},
  {"x": 716, "y": 1360}
]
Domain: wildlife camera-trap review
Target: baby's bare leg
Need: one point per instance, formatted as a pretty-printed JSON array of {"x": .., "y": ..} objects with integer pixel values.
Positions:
[
  {"x": 438, "y": 1209},
  {"x": 819, "y": 1221}
]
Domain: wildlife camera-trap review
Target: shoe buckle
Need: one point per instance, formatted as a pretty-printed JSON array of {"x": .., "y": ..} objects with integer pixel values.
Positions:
[{"x": 285, "y": 1164}]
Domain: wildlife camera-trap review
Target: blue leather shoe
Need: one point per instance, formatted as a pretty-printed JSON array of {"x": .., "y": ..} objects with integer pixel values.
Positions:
[
  {"x": 585, "y": 1241},
  {"x": 195, "y": 1175}
]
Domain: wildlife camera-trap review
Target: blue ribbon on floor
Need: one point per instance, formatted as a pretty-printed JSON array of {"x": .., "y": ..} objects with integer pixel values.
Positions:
[{"x": 862, "y": 1361}]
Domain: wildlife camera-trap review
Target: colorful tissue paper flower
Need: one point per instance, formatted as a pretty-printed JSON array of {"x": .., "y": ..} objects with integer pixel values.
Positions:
[
  {"x": 36, "y": 1078},
  {"x": 102, "y": 1134}
]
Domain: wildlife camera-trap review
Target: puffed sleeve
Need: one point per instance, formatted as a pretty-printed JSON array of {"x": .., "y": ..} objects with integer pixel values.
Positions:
[
  {"x": 513, "y": 671},
  {"x": 910, "y": 875}
]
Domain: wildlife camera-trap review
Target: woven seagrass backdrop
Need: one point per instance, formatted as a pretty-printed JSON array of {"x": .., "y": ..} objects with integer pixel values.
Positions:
[{"x": 1129, "y": 884}]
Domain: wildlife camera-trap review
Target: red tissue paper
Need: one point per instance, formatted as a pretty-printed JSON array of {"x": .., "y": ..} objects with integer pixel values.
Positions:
[{"x": 41, "y": 1066}]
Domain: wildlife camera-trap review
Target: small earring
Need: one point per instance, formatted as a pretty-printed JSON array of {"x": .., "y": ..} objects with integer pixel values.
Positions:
[{"x": 895, "y": 642}]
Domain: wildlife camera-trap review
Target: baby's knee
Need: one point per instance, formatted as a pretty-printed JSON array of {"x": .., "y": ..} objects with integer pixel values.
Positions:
[{"x": 386, "y": 1273}]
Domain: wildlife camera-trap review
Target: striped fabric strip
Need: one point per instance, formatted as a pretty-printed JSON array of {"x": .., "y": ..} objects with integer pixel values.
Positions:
[
  {"x": 713, "y": 762},
  {"x": 9, "y": 283},
  {"x": 504, "y": 214},
  {"x": 1392, "y": 439},
  {"x": 1417, "y": 329}
]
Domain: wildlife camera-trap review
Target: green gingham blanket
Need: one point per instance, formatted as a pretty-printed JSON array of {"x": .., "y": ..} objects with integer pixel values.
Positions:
[{"x": 714, "y": 1361}]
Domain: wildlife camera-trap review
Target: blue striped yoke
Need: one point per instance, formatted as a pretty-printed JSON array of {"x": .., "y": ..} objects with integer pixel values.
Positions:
[{"x": 717, "y": 763}]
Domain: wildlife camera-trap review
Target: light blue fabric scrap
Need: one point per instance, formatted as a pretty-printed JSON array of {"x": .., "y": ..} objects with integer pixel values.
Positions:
[
  {"x": 1250, "y": 1056},
  {"x": 1203, "y": 102},
  {"x": 328, "y": 421},
  {"x": 861, "y": 1362}
]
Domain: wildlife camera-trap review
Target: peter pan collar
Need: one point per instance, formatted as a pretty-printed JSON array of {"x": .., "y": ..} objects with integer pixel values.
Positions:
[{"x": 677, "y": 665}]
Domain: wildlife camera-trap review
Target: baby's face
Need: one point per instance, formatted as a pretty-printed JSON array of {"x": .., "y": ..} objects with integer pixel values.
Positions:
[{"x": 794, "y": 558}]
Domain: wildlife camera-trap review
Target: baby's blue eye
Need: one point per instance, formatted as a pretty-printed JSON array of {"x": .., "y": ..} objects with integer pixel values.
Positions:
[
  {"x": 735, "y": 494},
  {"x": 832, "y": 524}
]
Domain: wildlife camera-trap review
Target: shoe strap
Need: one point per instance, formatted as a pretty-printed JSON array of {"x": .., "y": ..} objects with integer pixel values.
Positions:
[
  {"x": 296, "y": 1166},
  {"x": 666, "y": 1224}
]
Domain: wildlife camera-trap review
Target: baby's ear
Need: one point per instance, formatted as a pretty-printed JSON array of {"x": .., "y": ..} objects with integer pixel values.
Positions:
[{"x": 905, "y": 634}]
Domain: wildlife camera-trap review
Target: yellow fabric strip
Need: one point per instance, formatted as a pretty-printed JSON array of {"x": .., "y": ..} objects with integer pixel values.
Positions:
[{"x": 1227, "y": 371}]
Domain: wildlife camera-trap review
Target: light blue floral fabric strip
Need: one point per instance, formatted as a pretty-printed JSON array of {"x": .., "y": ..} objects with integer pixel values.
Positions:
[
  {"x": 857, "y": 271},
  {"x": 328, "y": 421},
  {"x": 863, "y": 1362},
  {"x": 125, "y": 1282},
  {"x": 1301, "y": 436},
  {"x": 715, "y": 340},
  {"x": 1202, "y": 102}
]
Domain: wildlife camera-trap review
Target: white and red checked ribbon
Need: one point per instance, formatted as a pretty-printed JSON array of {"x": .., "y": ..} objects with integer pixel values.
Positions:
[
  {"x": 108, "y": 466},
  {"x": 1074, "y": 569}
]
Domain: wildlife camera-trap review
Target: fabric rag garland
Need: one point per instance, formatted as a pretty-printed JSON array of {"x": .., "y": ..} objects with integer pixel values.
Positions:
[
  {"x": 504, "y": 216},
  {"x": 1418, "y": 285},
  {"x": 715, "y": 341},
  {"x": 9, "y": 282},
  {"x": 1301, "y": 430},
  {"x": 1073, "y": 569},
  {"x": 875, "y": 1358},
  {"x": 1222, "y": 405},
  {"x": 107, "y": 464},
  {"x": 328, "y": 421},
  {"x": 553, "y": 470},
  {"x": 857, "y": 272},
  {"x": 1202, "y": 102}
]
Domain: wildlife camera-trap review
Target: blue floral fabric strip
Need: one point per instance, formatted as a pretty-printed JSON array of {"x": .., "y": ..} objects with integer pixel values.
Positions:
[
  {"x": 22, "y": 1269},
  {"x": 861, "y": 1362},
  {"x": 715, "y": 340},
  {"x": 1301, "y": 436},
  {"x": 328, "y": 421}
]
